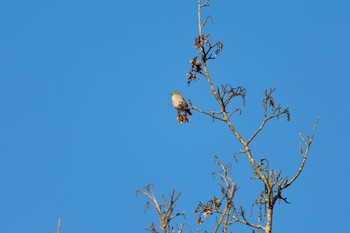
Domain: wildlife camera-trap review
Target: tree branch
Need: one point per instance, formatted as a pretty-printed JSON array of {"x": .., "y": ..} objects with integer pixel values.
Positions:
[
  {"x": 211, "y": 114},
  {"x": 305, "y": 155},
  {"x": 165, "y": 211}
]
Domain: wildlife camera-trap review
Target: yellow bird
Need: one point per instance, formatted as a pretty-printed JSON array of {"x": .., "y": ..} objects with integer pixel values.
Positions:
[{"x": 179, "y": 103}]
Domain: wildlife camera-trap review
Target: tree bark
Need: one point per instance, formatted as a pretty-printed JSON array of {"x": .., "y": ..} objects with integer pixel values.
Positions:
[{"x": 268, "y": 228}]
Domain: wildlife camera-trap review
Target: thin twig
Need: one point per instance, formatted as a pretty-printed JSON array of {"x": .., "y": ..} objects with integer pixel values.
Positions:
[
  {"x": 206, "y": 113},
  {"x": 305, "y": 155},
  {"x": 59, "y": 224}
]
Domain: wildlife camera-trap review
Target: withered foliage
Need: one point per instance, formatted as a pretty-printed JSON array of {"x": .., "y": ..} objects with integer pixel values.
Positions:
[
  {"x": 196, "y": 67},
  {"x": 182, "y": 117},
  {"x": 211, "y": 207},
  {"x": 207, "y": 51},
  {"x": 204, "y": 46},
  {"x": 219, "y": 48},
  {"x": 269, "y": 104},
  {"x": 201, "y": 41},
  {"x": 223, "y": 207}
]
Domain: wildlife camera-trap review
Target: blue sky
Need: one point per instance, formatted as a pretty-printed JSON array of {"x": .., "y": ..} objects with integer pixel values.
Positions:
[{"x": 86, "y": 118}]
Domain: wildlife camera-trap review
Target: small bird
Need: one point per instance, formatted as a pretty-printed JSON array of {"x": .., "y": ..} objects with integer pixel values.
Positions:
[{"x": 179, "y": 103}]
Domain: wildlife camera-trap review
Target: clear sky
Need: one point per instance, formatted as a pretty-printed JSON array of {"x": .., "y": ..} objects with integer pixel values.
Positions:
[{"x": 86, "y": 117}]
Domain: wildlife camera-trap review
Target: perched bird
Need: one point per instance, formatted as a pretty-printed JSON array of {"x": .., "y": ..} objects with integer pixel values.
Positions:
[{"x": 179, "y": 103}]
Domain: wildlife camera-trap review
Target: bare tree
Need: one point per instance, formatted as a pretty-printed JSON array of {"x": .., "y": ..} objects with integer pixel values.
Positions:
[{"x": 274, "y": 182}]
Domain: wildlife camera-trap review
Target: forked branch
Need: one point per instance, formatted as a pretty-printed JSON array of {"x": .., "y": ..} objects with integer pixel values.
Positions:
[
  {"x": 224, "y": 208},
  {"x": 307, "y": 144},
  {"x": 165, "y": 211},
  {"x": 275, "y": 112}
]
